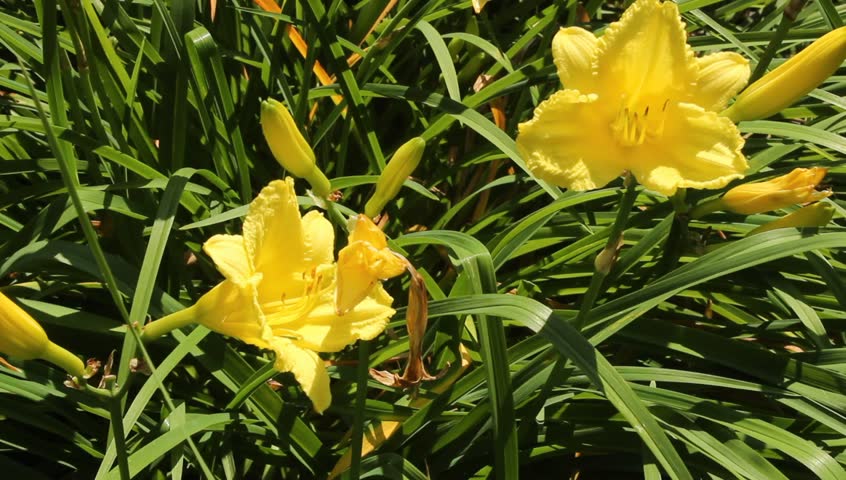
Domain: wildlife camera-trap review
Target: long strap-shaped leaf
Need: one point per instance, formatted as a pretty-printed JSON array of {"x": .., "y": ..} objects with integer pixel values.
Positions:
[
  {"x": 570, "y": 343},
  {"x": 473, "y": 255},
  {"x": 476, "y": 261}
]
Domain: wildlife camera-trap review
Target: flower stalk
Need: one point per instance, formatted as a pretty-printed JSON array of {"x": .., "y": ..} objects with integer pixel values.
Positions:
[{"x": 606, "y": 258}]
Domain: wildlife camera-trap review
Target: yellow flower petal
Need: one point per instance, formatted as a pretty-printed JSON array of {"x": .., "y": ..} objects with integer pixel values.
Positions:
[
  {"x": 273, "y": 232},
  {"x": 230, "y": 257},
  {"x": 574, "y": 50},
  {"x": 355, "y": 281},
  {"x": 568, "y": 143},
  {"x": 364, "y": 230},
  {"x": 721, "y": 76},
  {"x": 274, "y": 237},
  {"x": 319, "y": 237},
  {"x": 360, "y": 267},
  {"x": 307, "y": 368},
  {"x": 699, "y": 149},
  {"x": 644, "y": 58},
  {"x": 232, "y": 310},
  {"x": 362, "y": 263},
  {"x": 323, "y": 330}
]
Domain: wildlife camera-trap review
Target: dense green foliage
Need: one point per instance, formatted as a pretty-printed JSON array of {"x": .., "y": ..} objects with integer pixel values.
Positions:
[{"x": 129, "y": 134}]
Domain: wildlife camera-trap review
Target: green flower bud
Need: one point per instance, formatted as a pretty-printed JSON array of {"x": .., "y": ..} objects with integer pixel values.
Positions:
[
  {"x": 404, "y": 161},
  {"x": 792, "y": 80},
  {"x": 289, "y": 147}
]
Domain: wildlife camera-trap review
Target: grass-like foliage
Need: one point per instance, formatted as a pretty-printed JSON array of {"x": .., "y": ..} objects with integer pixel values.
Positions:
[{"x": 607, "y": 333}]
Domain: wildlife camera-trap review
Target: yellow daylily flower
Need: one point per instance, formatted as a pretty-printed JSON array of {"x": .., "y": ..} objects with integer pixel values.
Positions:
[
  {"x": 637, "y": 99},
  {"x": 22, "y": 337},
  {"x": 814, "y": 215},
  {"x": 798, "y": 186},
  {"x": 363, "y": 262},
  {"x": 279, "y": 291}
]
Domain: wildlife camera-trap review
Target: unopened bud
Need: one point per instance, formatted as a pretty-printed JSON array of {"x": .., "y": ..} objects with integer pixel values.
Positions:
[
  {"x": 289, "y": 147},
  {"x": 814, "y": 215},
  {"x": 22, "y": 337},
  {"x": 791, "y": 80},
  {"x": 404, "y": 161}
]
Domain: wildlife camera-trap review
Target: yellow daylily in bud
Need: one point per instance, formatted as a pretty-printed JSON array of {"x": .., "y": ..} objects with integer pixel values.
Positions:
[
  {"x": 279, "y": 291},
  {"x": 814, "y": 215},
  {"x": 405, "y": 160},
  {"x": 22, "y": 337},
  {"x": 363, "y": 263},
  {"x": 798, "y": 186},
  {"x": 791, "y": 80},
  {"x": 637, "y": 99},
  {"x": 290, "y": 148}
]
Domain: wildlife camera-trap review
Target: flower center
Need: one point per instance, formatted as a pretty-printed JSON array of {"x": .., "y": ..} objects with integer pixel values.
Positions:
[
  {"x": 634, "y": 125},
  {"x": 287, "y": 310}
]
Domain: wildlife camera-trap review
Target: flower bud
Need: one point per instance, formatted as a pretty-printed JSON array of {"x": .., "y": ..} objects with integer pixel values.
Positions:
[
  {"x": 791, "y": 80},
  {"x": 798, "y": 186},
  {"x": 814, "y": 215},
  {"x": 22, "y": 337},
  {"x": 404, "y": 161},
  {"x": 289, "y": 147}
]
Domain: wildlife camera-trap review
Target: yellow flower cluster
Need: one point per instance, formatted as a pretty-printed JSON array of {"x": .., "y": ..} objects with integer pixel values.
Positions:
[{"x": 283, "y": 290}]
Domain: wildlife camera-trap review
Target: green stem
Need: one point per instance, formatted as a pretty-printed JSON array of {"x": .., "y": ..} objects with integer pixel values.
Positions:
[
  {"x": 706, "y": 208},
  {"x": 119, "y": 438},
  {"x": 337, "y": 217},
  {"x": 157, "y": 328},
  {"x": 614, "y": 238},
  {"x": 319, "y": 183},
  {"x": 100, "y": 393},
  {"x": 360, "y": 403},
  {"x": 65, "y": 359}
]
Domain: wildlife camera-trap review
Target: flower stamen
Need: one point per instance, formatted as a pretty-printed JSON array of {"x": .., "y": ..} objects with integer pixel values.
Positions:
[
  {"x": 631, "y": 128},
  {"x": 285, "y": 311}
]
